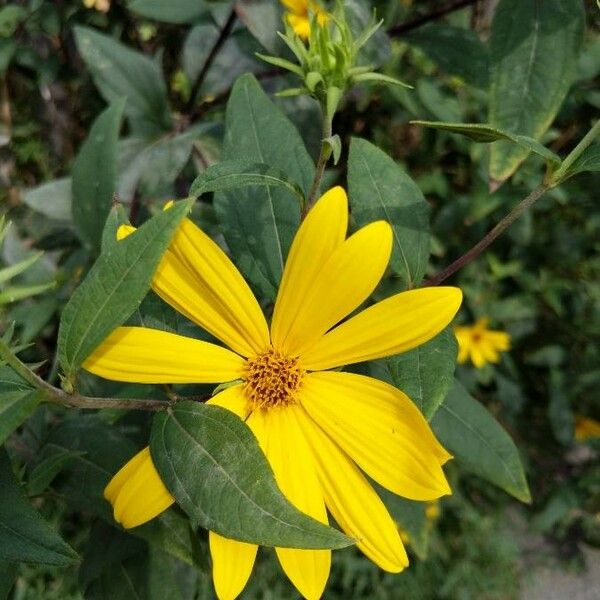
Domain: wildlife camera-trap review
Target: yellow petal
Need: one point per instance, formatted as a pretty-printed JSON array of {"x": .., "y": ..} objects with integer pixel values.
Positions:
[
  {"x": 293, "y": 465},
  {"x": 297, "y": 6},
  {"x": 323, "y": 230},
  {"x": 137, "y": 492},
  {"x": 232, "y": 399},
  {"x": 300, "y": 25},
  {"x": 343, "y": 283},
  {"x": 232, "y": 563},
  {"x": 499, "y": 339},
  {"x": 142, "y": 355},
  {"x": 379, "y": 428},
  {"x": 354, "y": 504},
  {"x": 391, "y": 326},
  {"x": 197, "y": 279}
]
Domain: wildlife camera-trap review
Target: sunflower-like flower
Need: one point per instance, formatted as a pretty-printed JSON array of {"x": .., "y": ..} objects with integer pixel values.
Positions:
[
  {"x": 319, "y": 429},
  {"x": 299, "y": 13},
  {"x": 479, "y": 344}
]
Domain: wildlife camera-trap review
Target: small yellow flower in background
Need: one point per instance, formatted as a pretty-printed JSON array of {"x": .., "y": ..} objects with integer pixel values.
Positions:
[
  {"x": 480, "y": 344},
  {"x": 586, "y": 428},
  {"x": 432, "y": 511},
  {"x": 99, "y": 5},
  {"x": 298, "y": 15},
  {"x": 318, "y": 428}
]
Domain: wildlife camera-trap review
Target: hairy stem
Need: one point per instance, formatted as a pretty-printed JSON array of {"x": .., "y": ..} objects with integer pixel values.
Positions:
[
  {"x": 55, "y": 395},
  {"x": 321, "y": 161},
  {"x": 480, "y": 246}
]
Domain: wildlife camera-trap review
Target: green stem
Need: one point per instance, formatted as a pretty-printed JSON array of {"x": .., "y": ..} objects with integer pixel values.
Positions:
[
  {"x": 54, "y": 395},
  {"x": 478, "y": 248},
  {"x": 321, "y": 161},
  {"x": 587, "y": 139}
]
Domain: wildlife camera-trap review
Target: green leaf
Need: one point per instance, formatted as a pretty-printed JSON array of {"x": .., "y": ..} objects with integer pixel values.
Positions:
[
  {"x": 12, "y": 294},
  {"x": 211, "y": 462},
  {"x": 485, "y": 134},
  {"x": 15, "y": 408},
  {"x": 116, "y": 217},
  {"x": 99, "y": 450},
  {"x": 54, "y": 460},
  {"x": 424, "y": 374},
  {"x": 381, "y": 189},
  {"x": 263, "y": 20},
  {"x": 10, "y": 381},
  {"x": 117, "y": 566},
  {"x": 120, "y": 72},
  {"x": 479, "y": 444},
  {"x": 241, "y": 173},
  {"x": 94, "y": 175},
  {"x": 448, "y": 46},
  {"x": 259, "y": 223},
  {"x": 8, "y": 575},
  {"x": 114, "y": 287},
  {"x": 534, "y": 49},
  {"x": 24, "y": 535},
  {"x": 52, "y": 199},
  {"x": 8, "y": 273},
  {"x": 589, "y": 161},
  {"x": 174, "y": 11}
]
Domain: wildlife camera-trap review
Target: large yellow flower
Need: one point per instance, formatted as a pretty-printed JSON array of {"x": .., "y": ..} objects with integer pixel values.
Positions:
[
  {"x": 318, "y": 428},
  {"x": 480, "y": 344},
  {"x": 299, "y": 13}
]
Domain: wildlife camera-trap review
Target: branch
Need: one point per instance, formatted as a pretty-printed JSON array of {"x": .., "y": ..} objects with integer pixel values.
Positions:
[
  {"x": 58, "y": 396},
  {"x": 435, "y": 14},
  {"x": 221, "y": 39},
  {"x": 487, "y": 240}
]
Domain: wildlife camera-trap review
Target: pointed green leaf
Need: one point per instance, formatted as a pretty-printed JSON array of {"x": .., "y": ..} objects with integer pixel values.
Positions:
[
  {"x": 479, "y": 444},
  {"x": 114, "y": 287},
  {"x": 95, "y": 174},
  {"x": 589, "y": 161},
  {"x": 15, "y": 408},
  {"x": 211, "y": 462},
  {"x": 24, "y": 535},
  {"x": 241, "y": 173},
  {"x": 381, "y": 189},
  {"x": 486, "y": 134},
  {"x": 259, "y": 223},
  {"x": 120, "y": 72},
  {"x": 534, "y": 48}
]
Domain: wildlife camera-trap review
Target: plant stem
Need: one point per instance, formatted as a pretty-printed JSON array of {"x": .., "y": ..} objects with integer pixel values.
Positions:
[
  {"x": 321, "y": 161},
  {"x": 478, "y": 248},
  {"x": 223, "y": 35},
  {"x": 437, "y": 13},
  {"x": 587, "y": 139},
  {"x": 58, "y": 396}
]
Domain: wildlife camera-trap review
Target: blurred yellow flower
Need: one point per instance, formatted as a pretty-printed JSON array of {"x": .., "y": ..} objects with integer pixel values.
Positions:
[
  {"x": 480, "y": 344},
  {"x": 318, "y": 428},
  {"x": 298, "y": 15},
  {"x": 586, "y": 428},
  {"x": 99, "y": 5}
]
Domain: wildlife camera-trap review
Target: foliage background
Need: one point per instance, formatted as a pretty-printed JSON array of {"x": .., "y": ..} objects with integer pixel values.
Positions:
[{"x": 540, "y": 282}]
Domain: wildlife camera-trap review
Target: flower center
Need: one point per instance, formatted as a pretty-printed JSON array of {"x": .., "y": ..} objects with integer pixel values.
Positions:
[{"x": 272, "y": 379}]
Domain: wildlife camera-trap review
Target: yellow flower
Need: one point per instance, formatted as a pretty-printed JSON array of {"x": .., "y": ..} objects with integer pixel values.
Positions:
[
  {"x": 99, "y": 5},
  {"x": 586, "y": 428},
  {"x": 480, "y": 344},
  {"x": 319, "y": 429},
  {"x": 299, "y": 13}
]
